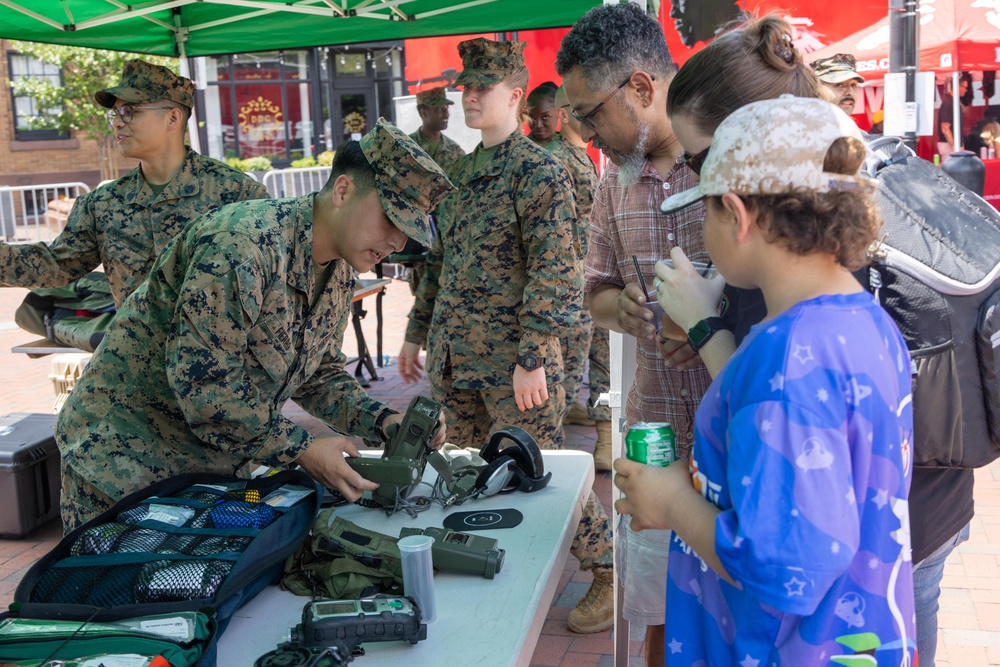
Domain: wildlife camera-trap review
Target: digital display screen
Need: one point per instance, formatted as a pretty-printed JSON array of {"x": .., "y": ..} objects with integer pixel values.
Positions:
[{"x": 335, "y": 608}]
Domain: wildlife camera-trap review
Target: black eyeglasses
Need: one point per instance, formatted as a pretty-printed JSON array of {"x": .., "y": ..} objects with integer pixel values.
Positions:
[
  {"x": 588, "y": 118},
  {"x": 126, "y": 112},
  {"x": 695, "y": 162}
]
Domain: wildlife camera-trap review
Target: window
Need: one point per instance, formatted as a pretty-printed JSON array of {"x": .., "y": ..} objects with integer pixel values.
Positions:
[{"x": 26, "y": 110}]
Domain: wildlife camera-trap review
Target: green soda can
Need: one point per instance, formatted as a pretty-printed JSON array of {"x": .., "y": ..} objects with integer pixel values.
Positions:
[{"x": 652, "y": 443}]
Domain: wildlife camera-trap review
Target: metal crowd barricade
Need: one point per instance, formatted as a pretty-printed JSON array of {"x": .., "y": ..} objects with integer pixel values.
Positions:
[
  {"x": 30, "y": 213},
  {"x": 295, "y": 182}
]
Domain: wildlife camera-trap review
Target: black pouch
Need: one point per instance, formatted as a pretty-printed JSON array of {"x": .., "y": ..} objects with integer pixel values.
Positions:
[{"x": 198, "y": 542}]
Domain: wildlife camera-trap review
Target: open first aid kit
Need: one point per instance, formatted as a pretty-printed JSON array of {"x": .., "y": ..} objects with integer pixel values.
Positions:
[{"x": 153, "y": 581}]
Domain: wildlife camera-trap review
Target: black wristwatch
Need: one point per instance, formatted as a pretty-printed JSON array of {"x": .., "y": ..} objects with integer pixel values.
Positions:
[
  {"x": 700, "y": 333},
  {"x": 529, "y": 362},
  {"x": 380, "y": 421}
]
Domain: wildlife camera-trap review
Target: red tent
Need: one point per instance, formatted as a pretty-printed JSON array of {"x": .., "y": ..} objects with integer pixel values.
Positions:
[{"x": 955, "y": 36}]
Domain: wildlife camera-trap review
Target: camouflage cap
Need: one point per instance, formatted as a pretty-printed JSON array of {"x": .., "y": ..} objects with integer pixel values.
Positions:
[
  {"x": 486, "y": 63},
  {"x": 435, "y": 97},
  {"x": 410, "y": 184},
  {"x": 837, "y": 69},
  {"x": 773, "y": 147},
  {"x": 143, "y": 82}
]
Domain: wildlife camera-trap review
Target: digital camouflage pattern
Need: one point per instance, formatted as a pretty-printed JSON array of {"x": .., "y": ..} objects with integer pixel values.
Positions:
[
  {"x": 504, "y": 274},
  {"x": 837, "y": 69},
  {"x": 446, "y": 153},
  {"x": 583, "y": 178},
  {"x": 193, "y": 372},
  {"x": 125, "y": 227},
  {"x": 486, "y": 63},
  {"x": 143, "y": 82},
  {"x": 409, "y": 182},
  {"x": 599, "y": 373},
  {"x": 434, "y": 97},
  {"x": 749, "y": 158}
]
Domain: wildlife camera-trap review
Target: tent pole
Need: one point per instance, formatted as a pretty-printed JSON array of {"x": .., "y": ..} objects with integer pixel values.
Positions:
[
  {"x": 956, "y": 113},
  {"x": 904, "y": 47},
  {"x": 185, "y": 70}
]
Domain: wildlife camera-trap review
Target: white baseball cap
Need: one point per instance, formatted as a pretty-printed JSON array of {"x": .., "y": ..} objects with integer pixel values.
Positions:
[{"x": 773, "y": 147}]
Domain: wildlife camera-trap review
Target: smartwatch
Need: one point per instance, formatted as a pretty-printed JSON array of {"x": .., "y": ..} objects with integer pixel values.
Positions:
[
  {"x": 700, "y": 333},
  {"x": 529, "y": 362}
]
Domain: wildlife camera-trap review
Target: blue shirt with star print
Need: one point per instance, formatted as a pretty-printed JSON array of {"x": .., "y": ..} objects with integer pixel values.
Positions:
[{"x": 804, "y": 443}]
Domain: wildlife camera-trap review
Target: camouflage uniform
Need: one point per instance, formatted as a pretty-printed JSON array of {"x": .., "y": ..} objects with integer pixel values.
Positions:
[
  {"x": 503, "y": 278},
  {"x": 192, "y": 374},
  {"x": 124, "y": 226},
  {"x": 577, "y": 342},
  {"x": 447, "y": 152}
]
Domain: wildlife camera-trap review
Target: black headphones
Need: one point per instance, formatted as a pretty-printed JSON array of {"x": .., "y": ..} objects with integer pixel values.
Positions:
[{"x": 517, "y": 466}]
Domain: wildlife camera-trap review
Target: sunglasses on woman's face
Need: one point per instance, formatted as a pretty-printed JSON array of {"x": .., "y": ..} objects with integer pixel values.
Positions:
[{"x": 694, "y": 162}]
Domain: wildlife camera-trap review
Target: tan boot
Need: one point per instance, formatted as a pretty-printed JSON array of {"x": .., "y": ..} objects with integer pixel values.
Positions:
[
  {"x": 595, "y": 612},
  {"x": 578, "y": 415},
  {"x": 602, "y": 450}
]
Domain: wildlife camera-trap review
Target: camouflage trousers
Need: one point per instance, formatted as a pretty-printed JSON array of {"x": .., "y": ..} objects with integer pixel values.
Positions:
[
  {"x": 587, "y": 343},
  {"x": 473, "y": 414},
  {"x": 575, "y": 348},
  {"x": 599, "y": 374},
  {"x": 80, "y": 500}
]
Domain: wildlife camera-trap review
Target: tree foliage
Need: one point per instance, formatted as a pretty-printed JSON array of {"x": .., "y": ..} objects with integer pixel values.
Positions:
[{"x": 85, "y": 71}]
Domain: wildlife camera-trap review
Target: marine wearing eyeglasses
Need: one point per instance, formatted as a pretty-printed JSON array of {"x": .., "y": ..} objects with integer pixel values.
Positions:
[{"x": 124, "y": 225}]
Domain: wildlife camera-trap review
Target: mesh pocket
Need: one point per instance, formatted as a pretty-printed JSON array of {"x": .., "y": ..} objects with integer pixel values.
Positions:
[
  {"x": 173, "y": 581},
  {"x": 98, "y": 540},
  {"x": 237, "y": 514},
  {"x": 105, "y": 586},
  {"x": 199, "y": 496}
]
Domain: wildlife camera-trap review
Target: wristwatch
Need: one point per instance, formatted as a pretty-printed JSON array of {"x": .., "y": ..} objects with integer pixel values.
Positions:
[
  {"x": 700, "y": 333},
  {"x": 380, "y": 422},
  {"x": 529, "y": 362}
]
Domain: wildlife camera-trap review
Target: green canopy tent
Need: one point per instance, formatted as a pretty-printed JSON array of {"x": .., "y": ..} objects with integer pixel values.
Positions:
[{"x": 214, "y": 27}]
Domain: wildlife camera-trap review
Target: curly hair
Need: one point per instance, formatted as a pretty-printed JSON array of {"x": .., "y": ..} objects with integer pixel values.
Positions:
[
  {"x": 610, "y": 42},
  {"x": 750, "y": 62},
  {"x": 842, "y": 223}
]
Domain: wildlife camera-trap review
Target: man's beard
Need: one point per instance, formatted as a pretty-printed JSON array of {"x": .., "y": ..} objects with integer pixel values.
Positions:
[
  {"x": 847, "y": 104},
  {"x": 632, "y": 162}
]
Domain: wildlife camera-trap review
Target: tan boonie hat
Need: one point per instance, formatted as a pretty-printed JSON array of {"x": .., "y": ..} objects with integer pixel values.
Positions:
[
  {"x": 837, "y": 69},
  {"x": 142, "y": 82},
  {"x": 773, "y": 147},
  {"x": 435, "y": 97},
  {"x": 410, "y": 184},
  {"x": 486, "y": 63}
]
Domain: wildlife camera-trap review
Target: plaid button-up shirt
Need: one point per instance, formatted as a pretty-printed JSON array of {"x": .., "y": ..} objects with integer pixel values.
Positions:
[{"x": 627, "y": 221}]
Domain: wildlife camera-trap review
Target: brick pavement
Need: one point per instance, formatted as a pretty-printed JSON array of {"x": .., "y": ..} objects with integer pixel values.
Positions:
[{"x": 970, "y": 599}]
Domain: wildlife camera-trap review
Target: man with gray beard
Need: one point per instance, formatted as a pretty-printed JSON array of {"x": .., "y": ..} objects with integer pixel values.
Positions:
[{"x": 616, "y": 69}]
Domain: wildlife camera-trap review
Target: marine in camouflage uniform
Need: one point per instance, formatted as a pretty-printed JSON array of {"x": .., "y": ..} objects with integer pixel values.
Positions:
[
  {"x": 504, "y": 279},
  {"x": 125, "y": 225},
  {"x": 433, "y": 106},
  {"x": 233, "y": 321}
]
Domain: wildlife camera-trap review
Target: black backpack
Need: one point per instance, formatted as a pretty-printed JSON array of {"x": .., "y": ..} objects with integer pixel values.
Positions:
[{"x": 937, "y": 274}]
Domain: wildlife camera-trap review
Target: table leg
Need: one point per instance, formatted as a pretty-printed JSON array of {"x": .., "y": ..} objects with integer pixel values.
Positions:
[{"x": 364, "y": 357}]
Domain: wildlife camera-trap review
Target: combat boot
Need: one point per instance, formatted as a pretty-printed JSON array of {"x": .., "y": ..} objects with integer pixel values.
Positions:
[
  {"x": 595, "y": 612},
  {"x": 602, "y": 450},
  {"x": 578, "y": 415}
]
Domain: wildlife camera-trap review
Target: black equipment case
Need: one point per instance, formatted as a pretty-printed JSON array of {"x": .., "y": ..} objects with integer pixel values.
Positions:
[
  {"x": 199, "y": 542},
  {"x": 29, "y": 473}
]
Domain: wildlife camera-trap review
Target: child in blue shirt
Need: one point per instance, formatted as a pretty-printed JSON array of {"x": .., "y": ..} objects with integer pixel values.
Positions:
[{"x": 791, "y": 526}]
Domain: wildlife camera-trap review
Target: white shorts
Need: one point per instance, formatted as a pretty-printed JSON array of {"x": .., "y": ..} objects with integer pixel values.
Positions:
[{"x": 641, "y": 564}]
